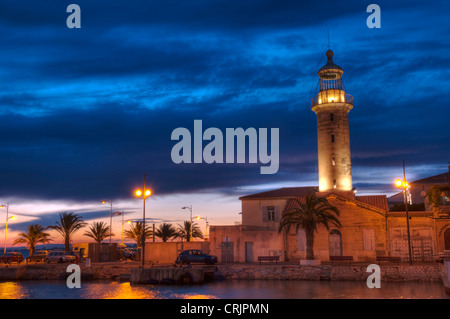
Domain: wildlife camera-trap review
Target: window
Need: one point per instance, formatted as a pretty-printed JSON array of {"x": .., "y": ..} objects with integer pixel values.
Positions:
[
  {"x": 331, "y": 117},
  {"x": 332, "y": 138},
  {"x": 270, "y": 214}
]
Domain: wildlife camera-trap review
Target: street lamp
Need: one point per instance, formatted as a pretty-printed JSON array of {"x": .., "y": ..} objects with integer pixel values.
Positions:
[
  {"x": 123, "y": 222},
  {"x": 207, "y": 224},
  {"x": 190, "y": 221},
  {"x": 403, "y": 184},
  {"x": 7, "y": 219},
  {"x": 110, "y": 219},
  {"x": 144, "y": 194}
]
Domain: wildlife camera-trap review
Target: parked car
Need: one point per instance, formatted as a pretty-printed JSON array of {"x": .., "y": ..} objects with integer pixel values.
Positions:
[
  {"x": 75, "y": 254},
  {"x": 37, "y": 256},
  {"x": 59, "y": 257},
  {"x": 195, "y": 256},
  {"x": 11, "y": 257}
]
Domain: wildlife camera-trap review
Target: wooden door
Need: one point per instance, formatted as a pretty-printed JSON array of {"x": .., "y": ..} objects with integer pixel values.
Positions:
[{"x": 335, "y": 243}]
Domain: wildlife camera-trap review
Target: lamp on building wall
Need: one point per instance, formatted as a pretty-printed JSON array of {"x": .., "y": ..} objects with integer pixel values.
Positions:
[{"x": 403, "y": 184}]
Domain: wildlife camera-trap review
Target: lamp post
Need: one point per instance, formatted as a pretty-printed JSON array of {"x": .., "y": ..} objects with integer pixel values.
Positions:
[
  {"x": 123, "y": 222},
  {"x": 190, "y": 221},
  {"x": 110, "y": 218},
  {"x": 145, "y": 193},
  {"x": 404, "y": 185},
  {"x": 207, "y": 224},
  {"x": 7, "y": 219}
]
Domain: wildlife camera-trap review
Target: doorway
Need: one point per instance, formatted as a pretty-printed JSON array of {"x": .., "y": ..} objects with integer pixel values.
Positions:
[
  {"x": 248, "y": 251},
  {"x": 447, "y": 239},
  {"x": 335, "y": 243}
]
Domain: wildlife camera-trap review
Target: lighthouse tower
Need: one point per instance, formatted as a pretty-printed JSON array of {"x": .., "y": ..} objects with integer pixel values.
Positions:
[{"x": 332, "y": 106}]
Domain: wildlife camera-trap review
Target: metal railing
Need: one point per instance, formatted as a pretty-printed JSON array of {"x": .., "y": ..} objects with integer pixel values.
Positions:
[{"x": 337, "y": 99}]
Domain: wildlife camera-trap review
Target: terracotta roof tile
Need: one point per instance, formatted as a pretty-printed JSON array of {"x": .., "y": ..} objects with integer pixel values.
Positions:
[
  {"x": 285, "y": 192},
  {"x": 379, "y": 201},
  {"x": 410, "y": 214}
]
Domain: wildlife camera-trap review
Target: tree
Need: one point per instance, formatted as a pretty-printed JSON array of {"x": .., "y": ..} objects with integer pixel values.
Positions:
[
  {"x": 35, "y": 235},
  {"x": 68, "y": 224},
  {"x": 308, "y": 216},
  {"x": 166, "y": 231},
  {"x": 185, "y": 233},
  {"x": 98, "y": 231},
  {"x": 135, "y": 232}
]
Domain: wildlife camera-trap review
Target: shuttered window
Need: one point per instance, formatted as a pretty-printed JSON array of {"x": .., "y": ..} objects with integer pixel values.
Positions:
[
  {"x": 368, "y": 239},
  {"x": 271, "y": 213}
]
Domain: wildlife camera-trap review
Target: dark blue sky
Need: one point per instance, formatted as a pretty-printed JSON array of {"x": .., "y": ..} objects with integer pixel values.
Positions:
[{"x": 85, "y": 112}]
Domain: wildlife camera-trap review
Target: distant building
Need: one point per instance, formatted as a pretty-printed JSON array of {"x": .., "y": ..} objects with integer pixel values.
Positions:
[
  {"x": 418, "y": 190},
  {"x": 369, "y": 229}
]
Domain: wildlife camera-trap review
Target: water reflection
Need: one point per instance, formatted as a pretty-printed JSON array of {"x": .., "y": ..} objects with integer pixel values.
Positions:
[
  {"x": 116, "y": 290},
  {"x": 12, "y": 290},
  {"x": 251, "y": 289}
]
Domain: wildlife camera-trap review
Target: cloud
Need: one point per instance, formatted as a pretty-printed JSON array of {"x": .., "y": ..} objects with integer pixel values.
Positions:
[{"x": 86, "y": 112}]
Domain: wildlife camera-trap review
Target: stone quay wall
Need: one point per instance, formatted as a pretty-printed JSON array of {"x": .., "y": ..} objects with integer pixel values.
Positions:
[
  {"x": 401, "y": 272},
  {"x": 59, "y": 272},
  {"x": 236, "y": 271}
]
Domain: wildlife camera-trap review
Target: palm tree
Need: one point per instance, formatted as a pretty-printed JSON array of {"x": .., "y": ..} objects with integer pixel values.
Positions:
[
  {"x": 308, "y": 216},
  {"x": 67, "y": 225},
  {"x": 98, "y": 231},
  {"x": 35, "y": 235},
  {"x": 135, "y": 232},
  {"x": 184, "y": 231},
  {"x": 166, "y": 231}
]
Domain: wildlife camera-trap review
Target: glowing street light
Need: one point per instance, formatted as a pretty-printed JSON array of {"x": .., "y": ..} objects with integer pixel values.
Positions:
[
  {"x": 190, "y": 221},
  {"x": 404, "y": 185},
  {"x": 123, "y": 222},
  {"x": 143, "y": 194},
  {"x": 207, "y": 224},
  {"x": 110, "y": 218},
  {"x": 7, "y": 219}
]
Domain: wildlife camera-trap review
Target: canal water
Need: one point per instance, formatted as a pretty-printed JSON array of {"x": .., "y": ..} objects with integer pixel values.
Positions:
[{"x": 233, "y": 289}]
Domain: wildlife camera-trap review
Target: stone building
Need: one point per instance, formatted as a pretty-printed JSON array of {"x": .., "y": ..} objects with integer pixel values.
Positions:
[{"x": 368, "y": 228}]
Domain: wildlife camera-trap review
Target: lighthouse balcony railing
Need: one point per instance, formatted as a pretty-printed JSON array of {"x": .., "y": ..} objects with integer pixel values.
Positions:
[{"x": 325, "y": 97}]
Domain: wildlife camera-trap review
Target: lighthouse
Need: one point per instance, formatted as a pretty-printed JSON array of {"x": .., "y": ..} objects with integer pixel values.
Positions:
[{"x": 332, "y": 106}]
